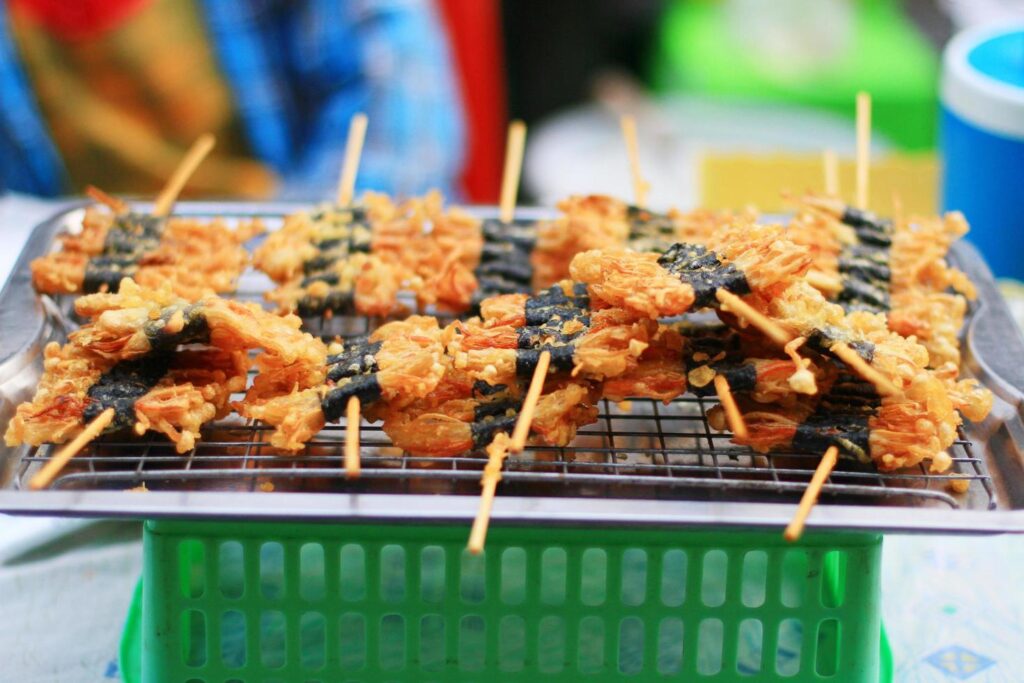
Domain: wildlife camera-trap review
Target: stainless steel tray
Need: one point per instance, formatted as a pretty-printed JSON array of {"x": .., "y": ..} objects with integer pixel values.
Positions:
[{"x": 643, "y": 464}]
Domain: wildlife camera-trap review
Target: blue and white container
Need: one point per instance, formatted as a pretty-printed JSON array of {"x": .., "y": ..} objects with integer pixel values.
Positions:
[{"x": 982, "y": 140}]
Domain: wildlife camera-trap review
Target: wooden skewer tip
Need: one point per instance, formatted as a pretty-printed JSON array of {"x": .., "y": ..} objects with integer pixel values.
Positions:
[
  {"x": 882, "y": 383},
  {"x": 522, "y": 429},
  {"x": 732, "y": 412},
  {"x": 796, "y": 527},
  {"x": 188, "y": 165},
  {"x": 863, "y": 148},
  {"x": 57, "y": 462},
  {"x": 496, "y": 453},
  {"x": 350, "y": 163},
  {"x": 513, "y": 168},
  {"x": 640, "y": 186},
  {"x": 352, "y": 419},
  {"x": 732, "y": 303},
  {"x": 831, "y": 164}
]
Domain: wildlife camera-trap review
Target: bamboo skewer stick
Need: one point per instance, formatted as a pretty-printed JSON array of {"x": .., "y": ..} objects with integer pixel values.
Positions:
[
  {"x": 497, "y": 451},
  {"x": 513, "y": 168},
  {"x": 522, "y": 429},
  {"x": 810, "y": 497},
  {"x": 831, "y": 164},
  {"x": 733, "y": 304},
  {"x": 640, "y": 186},
  {"x": 350, "y": 164},
  {"x": 732, "y": 413},
  {"x": 165, "y": 200},
  {"x": 352, "y": 418},
  {"x": 57, "y": 462},
  {"x": 846, "y": 354},
  {"x": 863, "y": 147},
  {"x": 346, "y": 192}
]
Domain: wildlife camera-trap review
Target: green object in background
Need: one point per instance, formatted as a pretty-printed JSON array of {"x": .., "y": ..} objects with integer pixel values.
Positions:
[
  {"x": 711, "y": 47},
  {"x": 224, "y": 601}
]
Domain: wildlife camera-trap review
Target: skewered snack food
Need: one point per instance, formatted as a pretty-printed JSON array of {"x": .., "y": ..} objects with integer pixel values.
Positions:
[
  {"x": 193, "y": 257},
  {"x": 589, "y": 344},
  {"x": 679, "y": 359},
  {"x": 160, "y": 362},
  {"x": 601, "y": 222},
  {"x": 137, "y": 320},
  {"x": 897, "y": 268},
  {"x": 323, "y": 263},
  {"x": 172, "y": 393},
  {"x": 502, "y": 266},
  {"x": 463, "y": 415},
  {"x": 338, "y": 260},
  {"x": 893, "y": 432},
  {"x": 398, "y": 363},
  {"x": 738, "y": 259},
  {"x": 793, "y": 310}
]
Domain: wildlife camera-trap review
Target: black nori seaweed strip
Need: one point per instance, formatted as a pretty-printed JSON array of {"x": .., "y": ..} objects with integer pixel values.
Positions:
[
  {"x": 134, "y": 233},
  {"x": 488, "y": 409},
  {"x": 483, "y": 432},
  {"x": 330, "y": 244},
  {"x": 357, "y": 214},
  {"x": 500, "y": 251},
  {"x": 869, "y": 264},
  {"x": 335, "y": 301},
  {"x": 647, "y": 225},
  {"x": 870, "y": 228},
  {"x": 482, "y": 388},
  {"x": 561, "y": 359},
  {"x": 740, "y": 376},
  {"x": 822, "y": 341},
  {"x": 520, "y": 233},
  {"x": 516, "y": 271},
  {"x": 122, "y": 385},
  {"x": 318, "y": 263},
  {"x": 857, "y": 295},
  {"x": 847, "y": 432},
  {"x": 330, "y": 278},
  {"x": 701, "y": 268},
  {"x": 357, "y": 359},
  {"x": 489, "y": 286},
  {"x": 334, "y": 402},
  {"x": 712, "y": 346},
  {"x": 106, "y": 270},
  {"x": 531, "y": 337},
  {"x": 840, "y": 419},
  {"x": 194, "y": 331}
]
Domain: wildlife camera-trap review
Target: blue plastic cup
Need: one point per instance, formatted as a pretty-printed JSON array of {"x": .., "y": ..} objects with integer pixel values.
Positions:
[{"x": 982, "y": 139}]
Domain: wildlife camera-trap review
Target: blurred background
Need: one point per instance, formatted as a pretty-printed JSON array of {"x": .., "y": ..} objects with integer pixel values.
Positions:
[{"x": 735, "y": 99}]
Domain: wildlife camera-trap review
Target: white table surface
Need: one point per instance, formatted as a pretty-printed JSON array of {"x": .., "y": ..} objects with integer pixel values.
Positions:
[{"x": 953, "y": 606}]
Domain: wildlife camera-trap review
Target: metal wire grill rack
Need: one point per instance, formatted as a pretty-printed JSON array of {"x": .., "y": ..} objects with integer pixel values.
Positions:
[{"x": 642, "y": 449}]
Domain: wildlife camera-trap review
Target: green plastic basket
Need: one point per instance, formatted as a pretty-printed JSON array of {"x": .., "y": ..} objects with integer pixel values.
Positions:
[{"x": 227, "y": 601}]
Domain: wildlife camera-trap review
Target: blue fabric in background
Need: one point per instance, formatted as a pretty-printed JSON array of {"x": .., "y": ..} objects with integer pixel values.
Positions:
[
  {"x": 298, "y": 70},
  {"x": 29, "y": 161}
]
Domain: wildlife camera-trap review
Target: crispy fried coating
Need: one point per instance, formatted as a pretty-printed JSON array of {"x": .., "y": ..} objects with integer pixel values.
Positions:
[{"x": 193, "y": 257}]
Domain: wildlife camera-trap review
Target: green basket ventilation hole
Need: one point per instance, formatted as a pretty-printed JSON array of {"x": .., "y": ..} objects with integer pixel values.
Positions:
[{"x": 263, "y": 601}]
